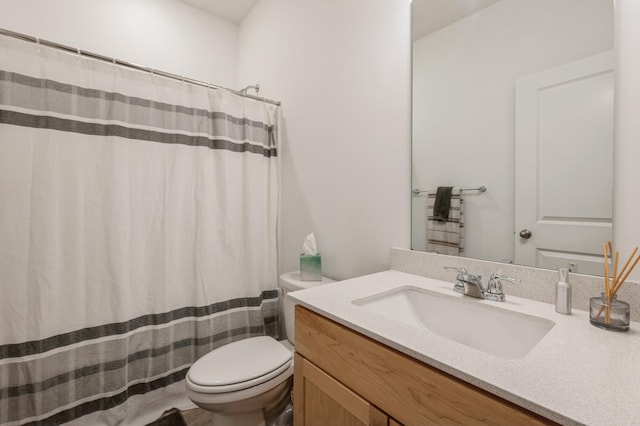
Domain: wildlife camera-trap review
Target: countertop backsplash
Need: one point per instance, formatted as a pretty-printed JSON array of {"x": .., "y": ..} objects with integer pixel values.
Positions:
[{"x": 535, "y": 283}]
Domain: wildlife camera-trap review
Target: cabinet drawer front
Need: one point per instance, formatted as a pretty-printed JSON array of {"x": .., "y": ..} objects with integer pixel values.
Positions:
[{"x": 404, "y": 388}]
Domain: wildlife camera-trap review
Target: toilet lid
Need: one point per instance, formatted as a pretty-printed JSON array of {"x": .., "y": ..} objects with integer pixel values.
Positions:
[{"x": 243, "y": 361}]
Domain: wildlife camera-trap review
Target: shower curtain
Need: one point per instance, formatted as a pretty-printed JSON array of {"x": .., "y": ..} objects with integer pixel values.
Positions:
[{"x": 137, "y": 233}]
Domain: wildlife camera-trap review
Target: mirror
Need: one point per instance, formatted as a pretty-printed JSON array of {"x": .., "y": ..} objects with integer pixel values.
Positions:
[{"x": 517, "y": 96}]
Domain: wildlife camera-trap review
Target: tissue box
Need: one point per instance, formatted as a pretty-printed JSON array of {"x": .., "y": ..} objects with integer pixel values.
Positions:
[{"x": 310, "y": 267}]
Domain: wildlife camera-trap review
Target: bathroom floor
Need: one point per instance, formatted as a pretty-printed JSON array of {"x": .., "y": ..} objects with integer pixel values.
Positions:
[
  {"x": 200, "y": 417},
  {"x": 197, "y": 417},
  {"x": 174, "y": 417}
]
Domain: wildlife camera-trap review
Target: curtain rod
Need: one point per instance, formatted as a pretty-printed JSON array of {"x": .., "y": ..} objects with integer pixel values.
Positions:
[{"x": 126, "y": 64}]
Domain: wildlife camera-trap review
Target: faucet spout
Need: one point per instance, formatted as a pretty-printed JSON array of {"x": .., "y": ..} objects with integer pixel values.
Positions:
[
  {"x": 468, "y": 284},
  {"x": 473, "y": 287}
]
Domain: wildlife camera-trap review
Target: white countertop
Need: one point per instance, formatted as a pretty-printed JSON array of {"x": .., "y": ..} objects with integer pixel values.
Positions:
[{"x": 577, "y": 373}]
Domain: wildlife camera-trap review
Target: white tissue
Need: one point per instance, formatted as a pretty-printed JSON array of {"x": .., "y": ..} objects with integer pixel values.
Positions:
[{"x": 309, "y": 245}]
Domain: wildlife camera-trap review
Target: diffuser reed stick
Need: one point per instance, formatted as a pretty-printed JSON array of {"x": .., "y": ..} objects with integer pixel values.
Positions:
[
  {"x": 615, "y": 269},
  {"x": 607, "y": 288},
  {"x": 605, "y": 249},
  {"x": 619, "y": 282},
  {"x": 635, "y": 262}
]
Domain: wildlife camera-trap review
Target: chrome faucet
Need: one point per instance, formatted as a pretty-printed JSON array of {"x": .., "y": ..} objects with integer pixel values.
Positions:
[
  {"x": 471, "y": 285},
  {"x": 466, "y": 283}
]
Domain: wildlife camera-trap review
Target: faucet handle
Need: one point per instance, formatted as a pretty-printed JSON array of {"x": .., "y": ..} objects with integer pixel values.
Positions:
[
  {"x": 499, "y": 277},
  {"x": 454, "y": 269},
  {"x": 465, "y": 276},
  {"x": 494, "y": 286}
]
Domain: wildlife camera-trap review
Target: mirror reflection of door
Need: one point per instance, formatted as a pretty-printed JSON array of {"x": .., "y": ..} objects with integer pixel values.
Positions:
[{"x": 564, "y": 165}]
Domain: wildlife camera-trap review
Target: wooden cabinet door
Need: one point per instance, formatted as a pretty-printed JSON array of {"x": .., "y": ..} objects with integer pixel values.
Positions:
[{"x": 319, "y": 399}]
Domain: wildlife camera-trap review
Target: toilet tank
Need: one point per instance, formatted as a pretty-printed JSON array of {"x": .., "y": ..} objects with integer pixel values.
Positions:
[{"x": 290, "y": 281}]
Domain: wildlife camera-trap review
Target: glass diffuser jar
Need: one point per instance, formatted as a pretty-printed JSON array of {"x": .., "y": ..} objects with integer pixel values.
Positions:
[{"x": 610, "y": 314}]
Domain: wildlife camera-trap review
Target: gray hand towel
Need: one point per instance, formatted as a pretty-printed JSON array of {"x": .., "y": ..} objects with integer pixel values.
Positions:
[{"x": 443, "y": 203}]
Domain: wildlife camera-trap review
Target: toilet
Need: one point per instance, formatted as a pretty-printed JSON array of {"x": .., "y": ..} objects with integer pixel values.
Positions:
[{"x": 241, "y": 381}]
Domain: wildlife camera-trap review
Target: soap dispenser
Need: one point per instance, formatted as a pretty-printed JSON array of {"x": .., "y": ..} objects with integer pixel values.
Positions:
[{"x": 563, "y": 292}]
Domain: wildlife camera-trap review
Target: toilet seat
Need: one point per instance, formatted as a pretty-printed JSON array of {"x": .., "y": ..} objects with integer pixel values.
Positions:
[{"x": 239, "y": 365}]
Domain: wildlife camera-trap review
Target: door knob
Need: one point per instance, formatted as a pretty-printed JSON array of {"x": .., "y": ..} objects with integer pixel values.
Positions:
[{"x": 525, "y": 234}]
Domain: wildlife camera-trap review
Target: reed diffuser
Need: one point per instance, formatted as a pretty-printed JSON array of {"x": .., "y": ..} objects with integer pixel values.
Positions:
[{"x": 607, "y": 311}]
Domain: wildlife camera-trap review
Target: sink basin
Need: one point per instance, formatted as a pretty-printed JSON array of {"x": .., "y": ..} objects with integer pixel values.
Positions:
[{"x": 465, "y": 320}]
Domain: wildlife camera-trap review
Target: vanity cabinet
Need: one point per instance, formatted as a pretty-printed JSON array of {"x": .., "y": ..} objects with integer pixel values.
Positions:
[{"x": 344, "y": 378}]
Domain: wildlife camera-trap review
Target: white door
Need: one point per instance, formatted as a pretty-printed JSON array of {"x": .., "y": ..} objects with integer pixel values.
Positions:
[{"x": 564, "y": 165}]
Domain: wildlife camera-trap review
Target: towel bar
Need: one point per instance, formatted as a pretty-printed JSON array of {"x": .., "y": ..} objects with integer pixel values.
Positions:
[{"x": 481, "y": 188}]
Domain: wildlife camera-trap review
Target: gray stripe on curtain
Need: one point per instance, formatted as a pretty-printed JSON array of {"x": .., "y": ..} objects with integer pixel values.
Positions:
[
  {"x": 66, "y": 125},
  {"x": 48, "y": 95},
  {"x": 109, "y": 402},
  {"x": 44, "y": 345},
  {"x": 109, "y": 362}
]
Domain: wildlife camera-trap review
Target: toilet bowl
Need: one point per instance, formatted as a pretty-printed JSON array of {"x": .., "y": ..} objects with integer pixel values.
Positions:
[{"x": 241, "y": 381}]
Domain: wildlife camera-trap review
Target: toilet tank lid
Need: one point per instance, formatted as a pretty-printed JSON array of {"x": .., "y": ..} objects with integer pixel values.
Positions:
[{"x": 239, "y": 362}]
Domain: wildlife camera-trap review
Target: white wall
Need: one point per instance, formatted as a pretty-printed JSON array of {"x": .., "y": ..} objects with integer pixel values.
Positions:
[
  {"x": 626, "y": 195},
  {"x": 342, "y": 72},
  {"x": 163, "y": 34},
  {"x": 463, "y": 109}
]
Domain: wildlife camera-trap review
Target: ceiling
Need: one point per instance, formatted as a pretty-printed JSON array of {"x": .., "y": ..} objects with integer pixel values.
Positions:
[
  {"x": 427, "y": 15},
  {"x": 231, "y": 10}
]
